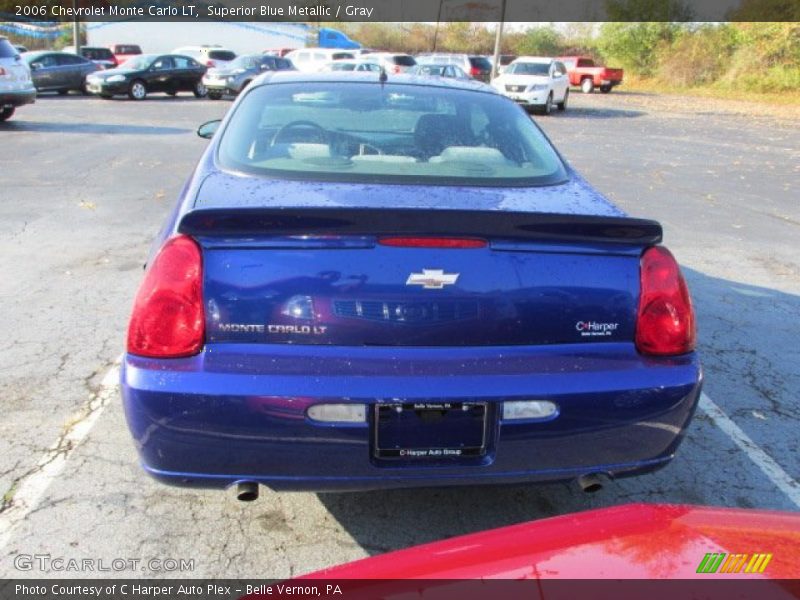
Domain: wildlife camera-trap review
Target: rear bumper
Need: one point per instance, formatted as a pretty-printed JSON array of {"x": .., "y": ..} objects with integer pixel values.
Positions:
[
  {"x": 217, "y": 85},
  {"x": 17, "y": 97},
  {"x": 238, "y": 412}
]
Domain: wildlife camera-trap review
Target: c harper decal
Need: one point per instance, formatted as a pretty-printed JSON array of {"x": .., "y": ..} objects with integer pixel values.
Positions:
[{"x": 595, "y": 329}]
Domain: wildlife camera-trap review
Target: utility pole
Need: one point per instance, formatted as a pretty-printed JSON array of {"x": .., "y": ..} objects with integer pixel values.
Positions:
[
  {"x": 438, "y": 19},
  {"x": 76, "y": 29},
  {"x": 498, "y": 38}
]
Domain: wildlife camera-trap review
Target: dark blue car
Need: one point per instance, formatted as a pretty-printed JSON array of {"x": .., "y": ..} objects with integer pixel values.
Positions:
[{"x": 375, "y": 284}]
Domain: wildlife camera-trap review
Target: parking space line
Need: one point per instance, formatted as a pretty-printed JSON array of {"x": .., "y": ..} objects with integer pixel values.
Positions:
[
  {"x": 774, "y": 472},
  {"x": 31, "y": 487}
]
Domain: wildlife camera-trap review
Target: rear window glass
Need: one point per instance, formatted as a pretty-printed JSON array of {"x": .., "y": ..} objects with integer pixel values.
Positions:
[
  {"x": 7, "y": 50},
  {"x": 404, "y": 60},
  {"x": 130, "y": 49},
  {"x": 341, "y": 55},
  {"x": 479, "y": 62},
  {"x": 97, "y": 53},
  {"x": 221, "y": 55},
  {"x": 386, "y": 133}
]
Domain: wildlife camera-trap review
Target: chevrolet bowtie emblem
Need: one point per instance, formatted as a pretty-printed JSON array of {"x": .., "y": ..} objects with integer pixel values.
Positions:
[{"x": 432, "y": 279}]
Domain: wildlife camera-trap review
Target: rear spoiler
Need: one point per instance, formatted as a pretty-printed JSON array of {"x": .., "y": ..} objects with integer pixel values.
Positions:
[{"x": 238, "y": 222}]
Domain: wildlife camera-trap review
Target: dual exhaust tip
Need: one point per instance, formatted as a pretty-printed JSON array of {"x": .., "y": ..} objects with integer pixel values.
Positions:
[{"x": 591, "y": 483}]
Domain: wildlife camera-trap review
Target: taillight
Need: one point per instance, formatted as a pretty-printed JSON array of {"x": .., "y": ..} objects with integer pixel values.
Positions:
[
  {"x": 168, "y": 319},
  {"x": 432, "y": 242},
  {"x": 209, "y": 63},
  {"x": 2, "y": 71},
  {"x": 665, "y": 323},
  {"x": 398, "y": 69},
  {"x": 475, "y": 71}
]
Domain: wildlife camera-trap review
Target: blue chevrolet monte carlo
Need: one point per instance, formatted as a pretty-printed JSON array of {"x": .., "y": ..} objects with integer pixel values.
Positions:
[{"x": 376, "y": 284}]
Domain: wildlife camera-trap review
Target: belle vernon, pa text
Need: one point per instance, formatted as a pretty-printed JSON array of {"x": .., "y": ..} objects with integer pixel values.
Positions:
[{"x": 174, "y": 591}]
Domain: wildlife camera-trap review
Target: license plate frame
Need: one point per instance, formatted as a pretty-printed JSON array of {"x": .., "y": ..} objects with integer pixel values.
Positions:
[{"x": 405, "y": 431}]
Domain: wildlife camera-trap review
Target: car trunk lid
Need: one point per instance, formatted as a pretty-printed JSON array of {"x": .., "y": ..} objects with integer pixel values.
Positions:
[{"x": 326, "y": 275}]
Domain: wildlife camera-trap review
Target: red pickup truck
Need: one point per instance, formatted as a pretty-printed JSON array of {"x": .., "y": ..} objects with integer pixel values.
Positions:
[{"x": 584, "y": 73}]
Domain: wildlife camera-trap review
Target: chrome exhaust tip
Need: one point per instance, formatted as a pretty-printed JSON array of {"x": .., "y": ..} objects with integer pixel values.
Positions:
[
  {"x": 247, "y": 491},
  {"x": 591, "y": 483}
]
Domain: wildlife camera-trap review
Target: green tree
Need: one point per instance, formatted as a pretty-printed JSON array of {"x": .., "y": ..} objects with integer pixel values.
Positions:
[
  {"x": 539, "y": 41},
  {"x": 634, "y": 46}
]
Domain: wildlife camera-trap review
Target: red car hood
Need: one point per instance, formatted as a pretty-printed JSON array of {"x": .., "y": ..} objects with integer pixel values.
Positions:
[{"x": 636, "y": 541}]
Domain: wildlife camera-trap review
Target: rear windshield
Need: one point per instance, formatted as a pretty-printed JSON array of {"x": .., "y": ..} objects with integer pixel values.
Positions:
[
  {"x": 480, "y": 62},
  {"x": 366, "y": 132},
  {"x": 341, "y": 55},
  {"x": 97, "y": 53},
  {"x": 7, "y": 50},
  {"x": 529, "y": 68},
  {"x": 404, "y": 60},
  {"x": 221, "y": 55},
  {"x": 130, "y": 49}
]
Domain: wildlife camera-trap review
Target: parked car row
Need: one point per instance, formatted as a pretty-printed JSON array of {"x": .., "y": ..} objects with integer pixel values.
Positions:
[{"x": 537, "y": 83}]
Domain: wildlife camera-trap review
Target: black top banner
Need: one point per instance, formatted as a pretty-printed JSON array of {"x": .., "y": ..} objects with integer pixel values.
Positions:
[{"x": 432, "y": 11}]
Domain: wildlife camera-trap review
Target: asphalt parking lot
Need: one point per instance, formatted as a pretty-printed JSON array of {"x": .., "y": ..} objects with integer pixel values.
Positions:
[{"x": 85, "y": 185}]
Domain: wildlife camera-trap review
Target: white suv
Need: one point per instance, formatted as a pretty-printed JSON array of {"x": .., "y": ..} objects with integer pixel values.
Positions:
[
  {"x": 535, "y": 82},
  {"x": 16, "y": 86}
]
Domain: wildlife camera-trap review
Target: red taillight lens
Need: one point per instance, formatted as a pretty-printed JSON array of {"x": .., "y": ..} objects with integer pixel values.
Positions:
[
  {"x": 474, "y": 71},
  {"x": 168, "y": 319},
  {"x": 209, "y": 63},
  {"x": 432, "y": 242},
  {"x": 2, "y": 71},
  {"x": 665, "y": 324}
]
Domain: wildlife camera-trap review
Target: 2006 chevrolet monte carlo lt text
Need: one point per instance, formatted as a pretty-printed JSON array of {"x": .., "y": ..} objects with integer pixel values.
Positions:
[{"x": 374, "y": 284}]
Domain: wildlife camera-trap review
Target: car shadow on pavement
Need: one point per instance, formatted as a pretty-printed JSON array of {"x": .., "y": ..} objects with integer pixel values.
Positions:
[
  {"x": 88, "y": 128},
  {"x": 747, "y": 344},
  {"x": 584, "y": 112}
]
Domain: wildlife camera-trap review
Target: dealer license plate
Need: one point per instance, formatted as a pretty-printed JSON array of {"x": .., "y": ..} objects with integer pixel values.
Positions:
[{"x": 430, "y": 431}]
